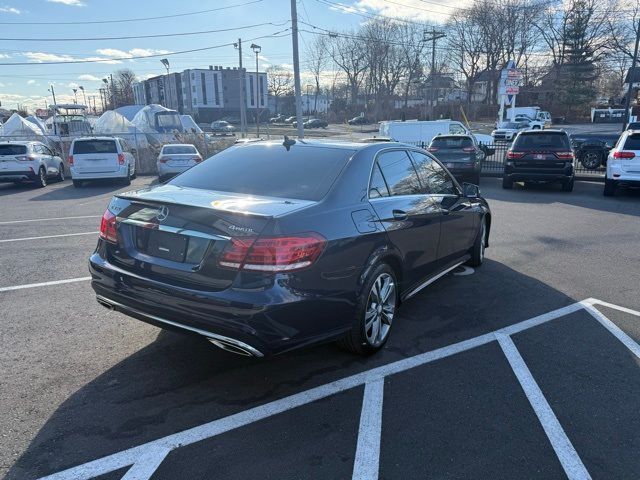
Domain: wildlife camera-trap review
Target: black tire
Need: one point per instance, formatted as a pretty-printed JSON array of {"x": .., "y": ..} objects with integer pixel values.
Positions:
[
  {"x": 609, "y": 187},
  {"x": 357, "y": 339},
  {"x": 591, "y": 160},
  {"x": 77, "y": 183},
  {"x": 60, "y": 176},
  {"x": 126, "y": 181},
  {"x": 507, "y": 183},
  {"x": 567, "y": 186},
  {"x": 477, "y": 251},
  {"x": 41, "y": 179},
  {"x": 134, "y": 175}
]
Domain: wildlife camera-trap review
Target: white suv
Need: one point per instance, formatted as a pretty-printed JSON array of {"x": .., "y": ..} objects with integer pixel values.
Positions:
[
  {"x": 31, "y": 161},
  {"x": 623, "y": 164},
  {"x": 96, "y": 158}
]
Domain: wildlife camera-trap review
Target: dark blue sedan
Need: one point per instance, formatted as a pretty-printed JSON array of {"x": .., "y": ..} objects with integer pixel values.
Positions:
[{"x": 270, "y": 246}]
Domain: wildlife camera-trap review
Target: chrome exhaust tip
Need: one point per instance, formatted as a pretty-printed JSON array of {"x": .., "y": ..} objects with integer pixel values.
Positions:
[
  {"x": 105, "y": 304},
  {"x": 231, "y": 347}
]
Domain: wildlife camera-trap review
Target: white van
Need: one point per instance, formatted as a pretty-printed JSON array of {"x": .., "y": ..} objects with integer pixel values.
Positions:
[
  {"x": 422, "y": 132},
  {"x": 97, "y": 158}
]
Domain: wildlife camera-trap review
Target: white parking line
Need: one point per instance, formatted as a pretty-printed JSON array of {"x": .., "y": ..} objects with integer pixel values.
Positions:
[
  {"x": 48, "y": 236},
  {"x": 149, "y": 463},
  {"x": 137, "y": 454},
  {"x": 44, "y": 284},
  {"x": 566, "y": 453},
  {"x": 613, "y": 328},
  {"x": 367, "y": 462},
  {"x": 10, "y": 222}
]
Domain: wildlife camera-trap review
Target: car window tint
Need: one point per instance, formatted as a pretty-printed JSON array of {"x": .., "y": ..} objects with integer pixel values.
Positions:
[
  {"x": 433, "y": 176},
  {"x": 377, "y": 187},
  {"x": 632, "y": 142},
  {"x": 422, "y": 163},
  {"x": 305, "y": 173},
  {"x": 8, "y": 149},
  {"x": 542, "y": 140},
  {"x": 178, "y": 149},
  {"x": 47, "y": 151},
  {"x": 451, "y": 142},
  {"x": 399, "y": 173},
  {"x": 94, "y": 146}
]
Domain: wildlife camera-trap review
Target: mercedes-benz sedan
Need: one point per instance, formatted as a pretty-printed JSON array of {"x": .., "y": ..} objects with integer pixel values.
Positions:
[{"x": 270, "y": 246}]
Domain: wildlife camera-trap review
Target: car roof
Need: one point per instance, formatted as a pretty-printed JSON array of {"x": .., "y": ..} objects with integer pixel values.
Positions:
[
  {"x": 351, "y": 145},
  {"x": 546, "y": 130},
  {"x": 19, "y": 142},
  {"x": 95, "y": 138},
  {"x": 178, "y": 145},
  {"x": 452, "y": 135}
]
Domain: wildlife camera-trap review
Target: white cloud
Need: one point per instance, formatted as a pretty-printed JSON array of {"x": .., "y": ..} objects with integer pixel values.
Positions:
[
  {"x": 5, "y": 55},
  {"x": 39, "y": 57},
  {"x": 31, "y": 82},
  {"x": 134, "y": 52},
  {"x": 8, "y": 9},
  {"x": 89, "y": 78},
  {"x": 72, "y": 3},
  {"x": 414, "y": 10},
  {"x": 72, "y": 85}
]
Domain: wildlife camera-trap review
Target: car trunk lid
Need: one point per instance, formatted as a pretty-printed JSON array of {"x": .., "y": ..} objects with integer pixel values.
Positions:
[{"x": 95, "y": 156}]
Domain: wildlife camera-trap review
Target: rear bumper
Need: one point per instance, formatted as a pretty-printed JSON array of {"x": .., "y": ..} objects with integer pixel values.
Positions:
[
  {"x": 262, "y": 322},
  {"x": 77, "y": 174},
  {"x": 164, "y": 169},
  {"x": 17, "y": 175},
  {"x": 538, "y": 175}
]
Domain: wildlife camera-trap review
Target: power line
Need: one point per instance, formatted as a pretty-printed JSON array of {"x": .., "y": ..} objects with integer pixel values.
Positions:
[
  {"x": 142, "y": 19},
  {"x": 111, "y": 59},
  {"x": 159, "y": 35}
]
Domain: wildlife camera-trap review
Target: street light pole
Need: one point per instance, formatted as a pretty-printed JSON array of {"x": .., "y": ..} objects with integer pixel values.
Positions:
[
  {"x": 75, "y": 95},
  {"x": 632, "y": 73},
  {"x": 257, "y": 49},
  {"x": 243, "y": 96},
  {"x": 296, "y": 67},
  {"x": 84, "y": 95}
]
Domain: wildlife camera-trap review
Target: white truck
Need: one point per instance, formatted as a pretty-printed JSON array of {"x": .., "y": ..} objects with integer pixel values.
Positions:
[
  {"x": 422, "y": 132},
  {"x": 533, "y": 113}
]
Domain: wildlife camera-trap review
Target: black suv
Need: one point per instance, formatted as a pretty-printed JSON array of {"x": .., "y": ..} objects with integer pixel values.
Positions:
[{"x": 540, "y": 156}]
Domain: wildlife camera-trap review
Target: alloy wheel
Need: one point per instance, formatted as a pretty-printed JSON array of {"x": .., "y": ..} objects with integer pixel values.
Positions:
[
  {"x": 381, "y": 307},
  {"x": 591, "y": 160}
]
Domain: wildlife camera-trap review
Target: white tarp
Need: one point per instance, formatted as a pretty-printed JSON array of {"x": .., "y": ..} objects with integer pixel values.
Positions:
[
  {"x": 158, "y": 119},
  {"x": 189, "y": 124},
  {"x": 20, "y": 127},
  {"x": 113, "y": 123},
  {"x": 37, "y": 122}
]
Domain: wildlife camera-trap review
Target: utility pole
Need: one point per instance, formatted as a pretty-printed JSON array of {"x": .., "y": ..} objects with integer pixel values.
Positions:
[
  {"x": 257, "y": 49},
  {"x": 113, "y": 94},
  {"x": 243, "y": 96},
  {"x": 435, "y": 35},
  {"x": 53, "y": 94},
  {"x": 296, "y": 68},
  {"x": 632, "y": 72}
]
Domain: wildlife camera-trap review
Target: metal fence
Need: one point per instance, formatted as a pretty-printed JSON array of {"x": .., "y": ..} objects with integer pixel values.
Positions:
[
  {"x": 144, "y": 146},
  {"x": 496, "y": 154}
]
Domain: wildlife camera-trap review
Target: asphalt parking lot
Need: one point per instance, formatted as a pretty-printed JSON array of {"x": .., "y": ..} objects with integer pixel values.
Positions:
[{"x": 528, "y": 367}]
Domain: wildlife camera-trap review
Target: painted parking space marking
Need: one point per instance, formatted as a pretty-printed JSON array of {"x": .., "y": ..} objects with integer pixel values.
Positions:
[
  {"x": 24, "y": 239},
  {"x": 44, "y": 284},
  {"x": 145, "y": 459},
  {"x": 11, "y": 222}
]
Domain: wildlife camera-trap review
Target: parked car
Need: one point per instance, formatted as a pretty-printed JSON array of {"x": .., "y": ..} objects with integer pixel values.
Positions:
[
  {"x": 176, "y": 158},
  {"x": 315, "y": 123},
  {"x": 460, "y": 154},
  {"x": 98, "y": 158},
  {"x": 359, "y": 120},
  {"x": 270, "y": 246},
  {"x": 507, "y": 131},
  {"x": 295, "y": 122},
  {"x": 29, "y": 161},
  {"x": 290, "y": 119},
  {"x": 277, "y": 119},
  {"x": 533, "y": 124},
  {"x": 623, "y": 165},
  {"x": 222, "y": 127},
  {"x": 592, "y": 149},
  {"x": 540, "y": 156}
]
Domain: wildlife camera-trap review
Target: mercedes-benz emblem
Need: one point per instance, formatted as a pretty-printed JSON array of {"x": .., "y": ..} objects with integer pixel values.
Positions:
[{"x": 163, "y": 213}]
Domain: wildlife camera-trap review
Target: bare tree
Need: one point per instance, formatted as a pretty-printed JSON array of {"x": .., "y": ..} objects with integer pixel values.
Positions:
[
  {"x": 122, "y": 87},
  {"x": 317, "y": 59},
  {"x": 350, "y": 56},
  {"x": 280, "y": 83}
]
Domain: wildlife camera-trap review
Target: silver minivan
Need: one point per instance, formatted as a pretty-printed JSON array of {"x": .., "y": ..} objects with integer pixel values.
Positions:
[{"x": 97, "y": 158}]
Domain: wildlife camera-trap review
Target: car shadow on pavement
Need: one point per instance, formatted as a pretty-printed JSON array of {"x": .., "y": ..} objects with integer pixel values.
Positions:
[
  {"x": 586, "y": 194},
  {"x": 179, "y": 381},
  {"x": 89, "y": 189}
]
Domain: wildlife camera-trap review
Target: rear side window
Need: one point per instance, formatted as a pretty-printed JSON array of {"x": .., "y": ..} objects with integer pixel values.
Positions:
[
  {"x": 632, "y": 142},
  {"x": 95, "y": 146},
  {"x": 399, "y": 173},
  {"x": 377, "y": 187},
  {"x": 304, "y": 173},
  {"x": 178, "y": 149},
  {"x": 451, "y": 142},
  {"x": 13, "y": 149},
  {"x": 542, "y": 140},
  {"x": 436, "y": 180}
]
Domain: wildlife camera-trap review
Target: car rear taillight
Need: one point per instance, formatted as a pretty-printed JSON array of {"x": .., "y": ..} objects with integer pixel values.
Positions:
[
  {"x": 163, "y": 159},
  {"x": 70, "y": 160},
  {"x": 121, "y": 158},
  {"x": 197, "y": 158},
  {"x": 623, "y": 154},
  {"x": 25, "y": 158},
  {"x": 108, "y": 227},
  {"x": 469, "y": 149},
  {"x": 273, "y": 254},
  {"x": 513, "y": 155},
  {"x": 432, "y": 149},
  {"x": 564, "y": 155}
]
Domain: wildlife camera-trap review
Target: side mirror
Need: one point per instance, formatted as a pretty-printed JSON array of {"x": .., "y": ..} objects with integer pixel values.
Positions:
[{"x": 470, "y": 190}]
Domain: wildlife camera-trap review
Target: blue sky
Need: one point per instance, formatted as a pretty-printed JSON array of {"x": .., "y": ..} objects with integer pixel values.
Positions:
[{"x": 27, "y": 84}]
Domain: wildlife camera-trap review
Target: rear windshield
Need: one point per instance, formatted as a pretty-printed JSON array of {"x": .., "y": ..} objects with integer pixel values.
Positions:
[
  {"x": 95, "y": 146},
  {"x": 304, "y": 173},
  {"x": 632, "y": 142},
  {"x": 13, "y": 149},
  {"x": 555, "y": 140},
  {"x": 451, "y": 142},
  {"x": 178, "y": 149},
  {"x": 511, "y": 125}
]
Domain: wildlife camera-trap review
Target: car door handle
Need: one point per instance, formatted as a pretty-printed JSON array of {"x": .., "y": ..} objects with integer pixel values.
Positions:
[{"x": 400, "y": 215}]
